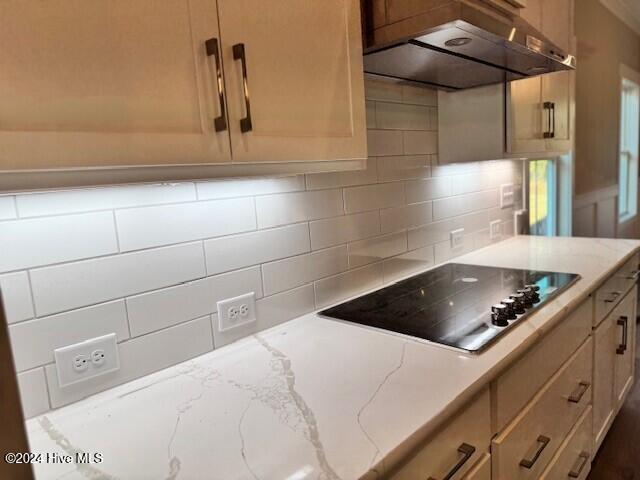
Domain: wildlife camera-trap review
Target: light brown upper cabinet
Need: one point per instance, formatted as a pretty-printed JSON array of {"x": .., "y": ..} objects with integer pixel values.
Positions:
[
  {"x": 539, "y": 113},
  {"x": 108, "y": 83},
  {"x": 539, "y": 109},
  {"x": 121, "y": 83},
  {"x": 294, "y": 79}
]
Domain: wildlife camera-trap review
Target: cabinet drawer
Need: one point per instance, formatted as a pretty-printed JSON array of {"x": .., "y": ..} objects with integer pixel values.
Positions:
[
  {"x": 573, "y": 459},
  {"x": 527, "y": 445},
  {"x": 460, "y": 444},
  {"x": 614, "y": 288},
  {"x": 481, "y": 470},
  {"x": 514, "y": 388}
]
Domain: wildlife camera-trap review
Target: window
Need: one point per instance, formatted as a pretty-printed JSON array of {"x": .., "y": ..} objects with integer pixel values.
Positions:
[
  {"x": 542, "y": 197},
  {"x": 628, "y": 168}
]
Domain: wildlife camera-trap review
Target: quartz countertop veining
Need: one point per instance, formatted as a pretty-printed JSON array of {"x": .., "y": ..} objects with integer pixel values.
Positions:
[{"x": 312, "y": 398}]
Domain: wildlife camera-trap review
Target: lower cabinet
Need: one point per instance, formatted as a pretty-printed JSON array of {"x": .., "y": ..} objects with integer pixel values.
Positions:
[
  {"x": 527, "y": 445},
  {"x": 459, "y": 450},
  {"x": 573, "y": 459},
  {"x": 613, "y": 364}
]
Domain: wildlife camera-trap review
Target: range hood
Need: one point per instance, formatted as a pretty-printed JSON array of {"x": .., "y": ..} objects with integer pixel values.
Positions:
[{"x": 461, "y": 46}]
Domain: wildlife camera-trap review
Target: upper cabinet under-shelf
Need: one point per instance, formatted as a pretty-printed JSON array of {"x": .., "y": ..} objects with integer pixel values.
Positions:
[{"x": 115, "y": 83}]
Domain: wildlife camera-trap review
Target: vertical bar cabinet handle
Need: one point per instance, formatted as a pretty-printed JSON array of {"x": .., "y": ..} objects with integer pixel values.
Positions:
[
  {"x": 211, "y": 46},
  {"x": 624, "y": 323},
  {"x": 238, "y": 54},
  {"x": 547, "y": 107}
]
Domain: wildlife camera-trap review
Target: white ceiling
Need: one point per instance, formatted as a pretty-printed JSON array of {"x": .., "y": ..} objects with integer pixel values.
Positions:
[{"x": 627, "y": 10}]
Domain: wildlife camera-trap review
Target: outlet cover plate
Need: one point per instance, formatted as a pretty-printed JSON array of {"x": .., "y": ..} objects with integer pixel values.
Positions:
[
  {"x": 507, "y": 195},
  {"x": 495, "y": 229},
  {"x": 65, "y": 356},
  {"x": 457, "y": 238},
  {"x": 236, "y": 311}
]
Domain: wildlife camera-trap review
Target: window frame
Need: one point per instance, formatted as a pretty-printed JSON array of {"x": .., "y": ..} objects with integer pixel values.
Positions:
[
  {"x": 554, "y": 186},
  {"x": 628, "y": 160}
]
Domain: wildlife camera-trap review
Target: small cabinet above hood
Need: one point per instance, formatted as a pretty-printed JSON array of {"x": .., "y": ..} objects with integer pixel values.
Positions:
[{"x": 457, "y": 44}]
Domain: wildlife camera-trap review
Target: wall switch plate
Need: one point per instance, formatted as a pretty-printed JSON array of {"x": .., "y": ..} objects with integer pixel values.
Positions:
[
  {"x": 236, "y": 311},
  {"x": 457, "y": 238},
  {"x": 495, "y": 229},
  {"x": 507, "y": 195},
  {"x": 88, "y": 359}
]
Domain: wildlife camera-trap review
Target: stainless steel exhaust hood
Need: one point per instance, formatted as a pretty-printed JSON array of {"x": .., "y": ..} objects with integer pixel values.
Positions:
[{"x": 460, "y": 46}]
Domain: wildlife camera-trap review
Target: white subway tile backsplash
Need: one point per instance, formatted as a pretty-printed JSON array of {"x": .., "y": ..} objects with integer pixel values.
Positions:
[
  {"x": 370, "y": 107},
  {"x": 292, "y": 272},
  {"x": 73, "y": 285},
  {"x": 238, "y": 251},
  {"x": 459, "y": 205},
  {"x": 416, "y": 142},
  {"x": 485, "y": 179},
  {"x": 7, "y": 207},
  {"x": 381, "y": 90},
  {"x": 418, "y": 95},
  {"x": 138, "y": 357},
  {"x": 428, "y": 189},
  {"x": 403, "y": 168},
  {"x": 316, "y": 181},
  {"x": 103, "y": 198},
  {"x": 333, "y": 231},
  {"x": 444, "y": 252},
  {"x": 270, "y": 311},
  {"x": 407, "y": 263},
  {"x": 16, "y": 294},
  {"x": 373, "y": 197},
  {"x": 33, "y": 392},
  {"x": 34, "y": 341},
  {"x": 384, "y": 142},
  {"x": 374, "y": 249},
  {"x": 440, "y": 231},
  {"x": 146, "y": 227},
  {"x": 286, "y": 208},
  {"x": 334, "y": 289},
  {"x": 247, "y": 187},
  {"x": 43, "y": 241},
  {"x": 167, "y": 307},
  {"x": 400, "y": 116},
  {"x": 412, "y": 215}
]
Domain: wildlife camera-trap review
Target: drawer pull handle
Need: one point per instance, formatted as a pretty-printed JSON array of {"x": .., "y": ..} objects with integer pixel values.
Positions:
[
  {"x": 583, "y": 459},
  {"x": 613, "y": 297},
  {"x": 466, "y": 451},
  {"x": 543, "y": 441},
  {"x": 633, "y": 275},
  {"x": 211, "y": 46},
  {"x": 624, "y": 323},
  {"x": 238, "y": 54},
  {"x": 579, "y": 393}
]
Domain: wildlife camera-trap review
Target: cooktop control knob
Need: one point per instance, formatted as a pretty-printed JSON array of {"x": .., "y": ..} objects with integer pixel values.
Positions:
[
  {"x": 518, "y": 302},
  {"x": 511, "y": 311},
  {"x": 499, "y": 315},
  {"x": 528, "y": 296},
  {"x": 534, "y": 292}
]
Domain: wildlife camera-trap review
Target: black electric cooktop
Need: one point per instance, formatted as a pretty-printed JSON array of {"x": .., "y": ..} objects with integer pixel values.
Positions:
[{"x": 462, "y": 306}]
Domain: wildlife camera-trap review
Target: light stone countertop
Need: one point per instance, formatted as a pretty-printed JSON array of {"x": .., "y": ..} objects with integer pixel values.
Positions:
[{"x": 309, "y": 399}]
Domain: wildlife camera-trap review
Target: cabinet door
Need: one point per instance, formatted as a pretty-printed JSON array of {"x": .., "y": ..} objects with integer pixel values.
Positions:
[
  {"x": 295, "y": 81},
  {"x": 525, "y": 116},
  {"x": 108, "y": 83},
  {"x": 603, "y": 378},
  {"x": 557, "y": 22},
  {"x": 625, "y": 323},
  {"x": 556, "y": 90}
]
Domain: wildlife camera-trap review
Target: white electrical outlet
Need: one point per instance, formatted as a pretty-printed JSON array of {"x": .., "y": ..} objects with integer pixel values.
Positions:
[
  {"x": 233, "y": 312},
  {"x": 507, "y": 195},
  {"x": 495, "y": 229},
  {"x": 457, "y": 238},
  {"x": 88, "y": 359}
]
